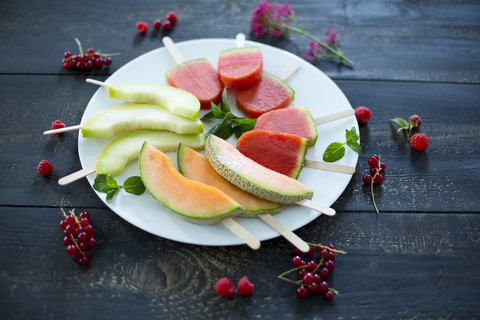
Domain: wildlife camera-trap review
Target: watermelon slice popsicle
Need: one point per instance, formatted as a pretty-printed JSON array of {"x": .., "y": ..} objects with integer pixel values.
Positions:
[{"x": 195, "y": 76}]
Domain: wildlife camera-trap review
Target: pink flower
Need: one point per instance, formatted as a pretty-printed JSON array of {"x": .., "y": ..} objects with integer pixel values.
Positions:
[
  {"x": 268, "y": 18},
  {"x": 332, "y": 36}
]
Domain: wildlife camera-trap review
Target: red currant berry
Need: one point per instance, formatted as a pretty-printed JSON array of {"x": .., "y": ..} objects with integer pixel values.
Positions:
[
  {"x": 311, "y": 265},
  {"x": 171, "y": 16},
  {"x": 330, "y": 255},
  {"x": 307, "y": 279},
  {"x": 317, "y": 278},
  {"x": 328, "y": 295},
  {"x": 330, "y": 265},
  {"x": 67, "y": 54},
  {"x": 324, "y": 253},
  {"x": 383, "y": 166},
  {"x": 313, "y": 288},
  {"x": 324, "y": 273},
  {"x": 89, "y": 65},
  {"x": 82, "y": 236},
  {"x": 323, "y": 287},
  {"x": 142, "y": 27},
  {"x": 302, "y": 272},
  {"x": 157, "y": 24},
  {"x": 90, "y": 51},
  {"x": 297, "y": 251},
  {"x": 107, "y": 61},
  {"x": 92, "y": 243},
  {"x": 88, "y": 229},
  {"x": 331, "y": 246},
  {"x": 70, "y": 220},
  {"x": 302, "y": 292},
  {"x": 83, "y": 261},
  {"x": 69, "y": 230},
  {"x": 63, "y": 224},
  {"x": 167, "y": 25},
  {"x": 80, "y": 65},
  {"x": 373, "y": 161},
  {"x": 98, "y": 63},
  {"x": 71, "y": 249},
  {"x": 84, "y": 222},
  {"x": 378, "y": 179},
  {"x": 67, "y": 241},
  {"x": 297, "y": 261},
  {"x": 83, "y": 246},
  {"x": 367, "y": 179}
]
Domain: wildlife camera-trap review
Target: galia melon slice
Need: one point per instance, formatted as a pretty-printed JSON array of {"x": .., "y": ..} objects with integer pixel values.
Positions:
[
  {"x": 251, "y": 177},
  {"x": 297, "y": 121},
  {"x": 112, "y": 121},
  {"x": 240, "y": 67},
  {"x": 175, "y": 100},
  {"x": 120, "y": 152},
  {"x": 195, "y": 166},
  {"x": 199, "y": 78},
  {"x": 190, "y": 200},
  {"x": 281, "y": 152},
  {"x": 270, "y": 93}
]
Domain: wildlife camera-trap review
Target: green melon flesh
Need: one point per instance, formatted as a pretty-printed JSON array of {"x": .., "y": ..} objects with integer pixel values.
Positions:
[
  {"x": 177, "y": 101},
  {"x": 112, "y": 121},
  {"x": 195, "y": 166},
  {"x": 190, "y": 200},
  {"x": 251, "y": 177},
  {"x": 120, "y": 152}
]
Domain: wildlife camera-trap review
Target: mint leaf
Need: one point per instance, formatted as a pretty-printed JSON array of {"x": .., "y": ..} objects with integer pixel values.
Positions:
[
  {"x": 134, "y": 185},
  {"x": 209, "y": 115},
  {"x": 224, "y": 130},
  {"x": 111, "y": 182},
  {"x": 217, "y": 113},
  {"x": 111, "y": 193},
  {"x": 355, "y": 146},
  {"x": 335, "y": 151},
  {"x": 352, "y": 140},
  {"x": 244, "y": 124},
  {"x": 101, "y": 184},
  {"x": 402, "y": 123},
  {"x": 225, "y": 104}
]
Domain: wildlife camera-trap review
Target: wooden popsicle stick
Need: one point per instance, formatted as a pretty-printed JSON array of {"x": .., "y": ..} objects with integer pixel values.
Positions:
[
  {"x": 242, "y": 233},
  {"x": 327, "y": 166},
  {"x": 317, "y": 207},
  {"x": 334, "y": 116},
  {"x": 97, "y": 82},
  {"x": 285, "y": 232},
  {"x": 61, "y": 130},
  {"x": 173, "y": 50},
  {"x": 77, "y": 175}
]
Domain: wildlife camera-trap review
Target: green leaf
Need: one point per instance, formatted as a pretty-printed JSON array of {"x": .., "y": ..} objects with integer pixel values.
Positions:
[
  {"x": 335, "y": 151},
  {"x": 111, "y": 182},
  {"x": 224, "y": 130},
  {"x": 217, "y": 113},
  {"x": 134, "y": 185},
  {"x": 244, "y": 124},
  {"x": 401, "y": 122},
  {"x": 101, "y": 184},
  {"x": 111, "y": 193},
  {"x": 355, "y": 147},
  {"x": 351, "y": 135},
  {"x": 225, "y": 104},
  {"x": 209, "y": 115}
]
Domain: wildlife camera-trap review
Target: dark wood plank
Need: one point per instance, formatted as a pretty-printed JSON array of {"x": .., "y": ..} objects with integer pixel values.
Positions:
[
  {"x": 426, "y": 268},
  {"x": 443, "y": 179},
  {"x": 421, "y": 41}
]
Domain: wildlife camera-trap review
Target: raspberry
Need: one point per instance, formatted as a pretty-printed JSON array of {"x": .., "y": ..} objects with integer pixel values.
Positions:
[
  {"x": 224, "y": 287},
  {"x": 415, "y": 121},
  {"x": 44, "y": 168},
  {"x": 244, "y": 286},
  {"x": 362, "y": 114},
  {"x": 142, "y": 27},
  {"x": 57, "y": 124},
  {"x": 419, "y": 141}
]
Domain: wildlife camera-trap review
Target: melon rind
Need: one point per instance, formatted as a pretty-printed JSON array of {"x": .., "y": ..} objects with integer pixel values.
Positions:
[
  {"x": 120, "y": 152},
  {"x": 112, "y": 121},
  {"x": 251, "y": 177},
  {"x": 192, "y": 201},
  {"x": 175, "y": 100},
  {"x": 200, "y": 169}
]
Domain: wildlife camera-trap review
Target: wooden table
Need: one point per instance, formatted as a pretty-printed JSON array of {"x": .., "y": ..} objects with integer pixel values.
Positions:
[{"x": 418, "y": 258}]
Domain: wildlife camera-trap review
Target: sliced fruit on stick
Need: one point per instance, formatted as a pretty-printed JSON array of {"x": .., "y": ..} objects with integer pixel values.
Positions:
[
  {"x": 112, "y": 121},
  {"x": 240, "y": 67},
  {"x": 120, "y": 152},
  {"x": 195, "y": 76},
  {"x": 254, "y": 178},
  {"x": 187, "y": 199},
  {"x": 195, "y": 166},
  {"x": 177, "y": 101}
]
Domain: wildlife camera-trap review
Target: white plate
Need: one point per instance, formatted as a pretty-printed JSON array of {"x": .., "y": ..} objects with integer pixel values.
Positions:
[{"x": 312, "y": 89}]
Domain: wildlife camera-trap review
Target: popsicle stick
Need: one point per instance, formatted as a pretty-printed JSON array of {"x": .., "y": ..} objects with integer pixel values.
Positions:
[
  {"x": 317, "y": 207},
  {"x": 286, "y": 233},
  {"x": 327, "y": 166},
  {"x": 334, "y": 116},
  {"x": 61, "y": 130},
  {"x": 77, "y": 175},
  {"x": 242, "y": 233},
  {"x": 173, "y": 50},
  {"x": 97, "y": 82},
  {"x": 240, "y": 37}
]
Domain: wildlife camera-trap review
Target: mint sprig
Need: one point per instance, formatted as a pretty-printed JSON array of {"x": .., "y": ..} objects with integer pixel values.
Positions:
[
  {"x": 229, "y": 123},
  {"x": 403, "y": 125},
  {"x": 336, "y": 150},
  {"x": 107, "y": 184}
]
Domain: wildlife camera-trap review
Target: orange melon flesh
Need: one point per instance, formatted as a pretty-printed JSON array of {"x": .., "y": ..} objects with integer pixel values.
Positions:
[
  {"x": 199, "y": 78},
  {"x": 296, "y": 121},
  {"x": 281, "y": 152},
  {"x": 250, "y": 176},
  {"x": 190, "y": 200},
  {"x": 270, "y": 93},
  {"x": 240, "y": 67},
  {"x": 195, "y": 166}
]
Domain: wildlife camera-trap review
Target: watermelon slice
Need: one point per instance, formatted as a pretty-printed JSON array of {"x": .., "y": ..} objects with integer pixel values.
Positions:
[
  {"x": 281, "y": 152},
  {"x": 270, "y": 93},
  {"x": 195, "y": 166},
  {"x": 240, "y": 67},
  {"x": 199, "y": 78},
  {"x": 297, "y": 121}
]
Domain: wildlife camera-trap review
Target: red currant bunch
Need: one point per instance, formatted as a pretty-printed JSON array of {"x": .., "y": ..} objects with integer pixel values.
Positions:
[
  {"x": 170, "y": 19},
  {"x": 86, "y": 60},
  {"x": 376, "y": 175},
  {"x": 312, "y": 269},
  {"x": 79, "y": 236}
]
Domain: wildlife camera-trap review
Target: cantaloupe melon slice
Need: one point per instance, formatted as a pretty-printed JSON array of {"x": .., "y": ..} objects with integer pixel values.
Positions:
[
  {"x": 252, "y": 177},
  {"x": 120, "y": 152},
  {"x": 190, "y": 200},
  {"x": 195, "y": 166},
  {"x": 112, "y": 121}
]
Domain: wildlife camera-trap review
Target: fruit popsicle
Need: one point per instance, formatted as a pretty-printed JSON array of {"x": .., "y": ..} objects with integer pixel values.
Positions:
[{"x": 240, "y": 67}]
